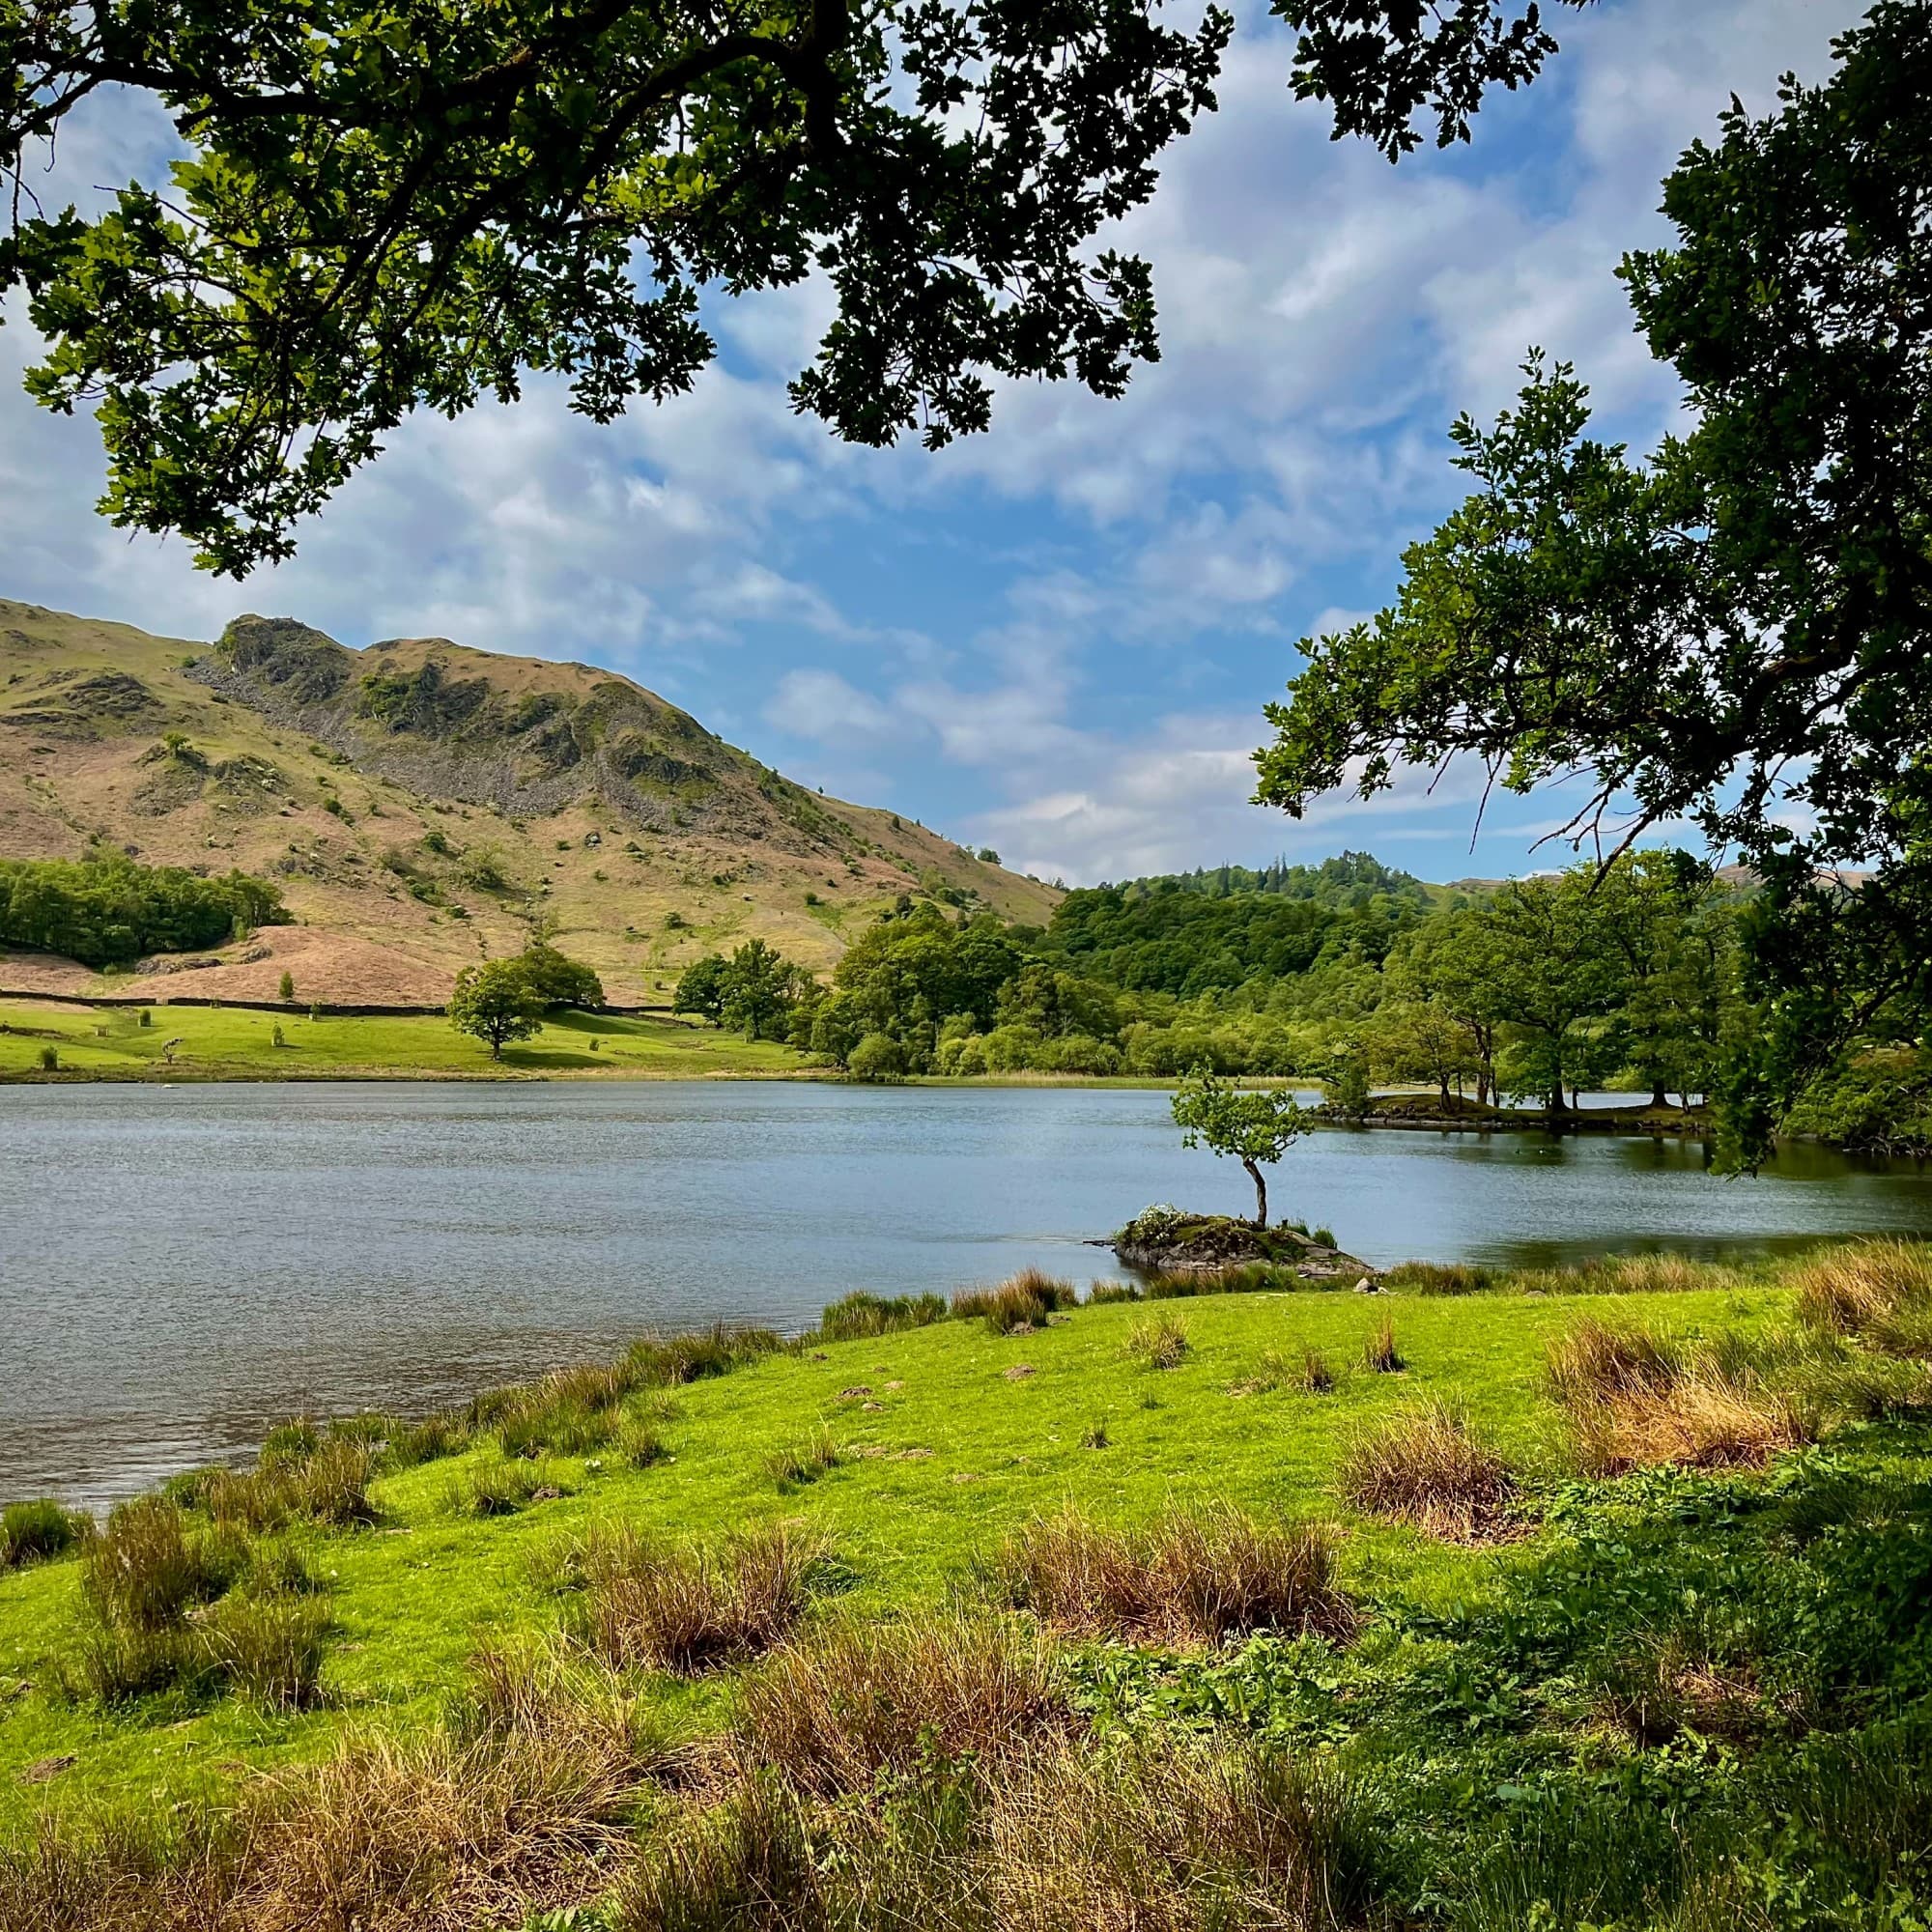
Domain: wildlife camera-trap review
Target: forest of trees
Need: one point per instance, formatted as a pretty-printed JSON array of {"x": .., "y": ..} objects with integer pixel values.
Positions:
[
  {"x": 110, "y": 911},
  {"x": 1528, "y": 990}
]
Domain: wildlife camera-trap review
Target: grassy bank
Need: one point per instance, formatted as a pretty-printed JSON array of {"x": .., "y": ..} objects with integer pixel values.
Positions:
[
  {"x": 234, "y": 1043},
  {"x": 1597, "y": 1599}
]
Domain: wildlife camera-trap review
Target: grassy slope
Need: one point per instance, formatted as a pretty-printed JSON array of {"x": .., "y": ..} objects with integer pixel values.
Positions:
[
  {"x": 229, "y": 1043},
  {"x": 416, "y": 1593}
]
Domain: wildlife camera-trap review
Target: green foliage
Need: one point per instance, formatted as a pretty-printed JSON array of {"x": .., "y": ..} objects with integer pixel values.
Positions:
[
  {"x": 110, "y": 911},
  {"x": 1256, "y": 1128},
  {"x": 495, "y": 1002},
  {"x": 879, "y": 1059},
  {"x": 558, "y": 981},
  {"x": 287, "y": 988},
  {"x": 1732, "y": 631},
  {"x": 756, "y": 992}
]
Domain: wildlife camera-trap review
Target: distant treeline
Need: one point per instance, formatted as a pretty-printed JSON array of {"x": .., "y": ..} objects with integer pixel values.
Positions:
[
  {"x": 1352, "y": 879},
  {"x": 110, "y": 911}
]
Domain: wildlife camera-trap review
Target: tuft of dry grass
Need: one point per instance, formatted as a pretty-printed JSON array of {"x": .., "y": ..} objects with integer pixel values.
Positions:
[
  {"x": 1156, "y": 1342},
  {"x": 1424, "y": 1466},
  {"x": 1183, "y": 1837},
  {"x": 690, "y": 1609},
  {"x": 30, "y": 1532},
  {"x": 1878, "y": 1291},
  {"x": 152, "y": 1564},
  {"x": 1380, "y": 1350},
  {"x": 1019, "y": 1304},
  {"x": 1441, "y": 1278},
  {"x": 1316, "y": 1377},
  {"x": 1191, "y": 1577},
  {"x": 836, "y": 1712},
  {"x": 1638, "y": 1399}
]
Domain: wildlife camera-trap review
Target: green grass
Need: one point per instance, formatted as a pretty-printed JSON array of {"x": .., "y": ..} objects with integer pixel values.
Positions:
[
  {"x": 1028, "y": 1592},
  {"x": 237, "y": 1043},
  {"x": 415, "y": 1595}
]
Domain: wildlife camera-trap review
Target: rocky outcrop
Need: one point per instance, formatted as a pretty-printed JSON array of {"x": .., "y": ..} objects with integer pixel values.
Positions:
[{"x": 1163, "y": 1241}]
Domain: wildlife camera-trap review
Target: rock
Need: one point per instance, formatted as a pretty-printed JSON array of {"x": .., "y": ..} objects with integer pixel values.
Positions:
[
  {"x": 43, "y": 1769},
  {"x": 1019, "y": 1371},
  {"x": 855, "y": 1392},
  {"x": 1366, "y": 1287},
  {"x": 876, "y": 1408},
  {"x": 1166, "y": 1241}
]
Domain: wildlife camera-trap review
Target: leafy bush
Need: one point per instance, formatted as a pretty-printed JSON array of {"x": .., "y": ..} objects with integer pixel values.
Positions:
[{"x": 879, "y": 1059}]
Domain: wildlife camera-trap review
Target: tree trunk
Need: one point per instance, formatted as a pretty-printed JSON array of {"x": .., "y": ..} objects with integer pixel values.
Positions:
[
  {"x": 1657, "y": 1096},
  {"x": 1260, "y": 1193},
  {"x": 1442, "y": 1091}
]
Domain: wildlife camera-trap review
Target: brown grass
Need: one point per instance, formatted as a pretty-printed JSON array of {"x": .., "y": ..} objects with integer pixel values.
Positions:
[
  {"x": 1880, "y": 1290},
  {"x": 1019, "y": 1304},
  {"x": 1424, "y": 1466},
  {"x": 1192, "y": 1577},
  {"x": 512, "y": 1808},
  {"x": 1380, "y": 1350},
  {"x": 1637, "y": 1399},
  {"x": 690, "y": 1609},
  {"x": 834, "y": 1713}
]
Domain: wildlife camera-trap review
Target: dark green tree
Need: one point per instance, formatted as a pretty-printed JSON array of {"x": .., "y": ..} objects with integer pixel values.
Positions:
[
  {"x": 493, "y": 1001},
  {"x": 1738, "y": 631},
  {"x": 700, "y": 988},
  {"x": 558, "y": 980}
]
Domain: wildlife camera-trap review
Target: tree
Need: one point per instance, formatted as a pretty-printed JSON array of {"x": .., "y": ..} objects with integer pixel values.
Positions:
[
  {"x": 700, "y": 988},
  {"x": 557, "y": 981},
  {"x": 287, "y": 989},
  {"x": 1555, "y": 964},
  {"x": 495, "y": 1000},
  {"x": 1738, "y": 631},
  {"x": 412, "y": 207},
  {"x": 1256, "y": 1128}
]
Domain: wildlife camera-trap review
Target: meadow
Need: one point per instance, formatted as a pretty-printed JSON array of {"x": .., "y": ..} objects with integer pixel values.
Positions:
[
  {"x": 240, "y": 1043},
  {"x": 1587, "y": 1599}
]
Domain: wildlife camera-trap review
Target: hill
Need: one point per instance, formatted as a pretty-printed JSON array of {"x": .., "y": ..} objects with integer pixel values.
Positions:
[{"x": 421, "y": 804}]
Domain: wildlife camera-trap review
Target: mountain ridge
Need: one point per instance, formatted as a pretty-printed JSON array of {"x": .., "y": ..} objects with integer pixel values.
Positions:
[{"x": 422, "y": 804}]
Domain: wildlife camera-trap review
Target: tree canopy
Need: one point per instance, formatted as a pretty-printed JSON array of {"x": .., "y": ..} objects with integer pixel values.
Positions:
[
  {"x": 109, "y": 911},
  {"x": 1736, "y": 630},
  {"x": 419, "y": 205}
]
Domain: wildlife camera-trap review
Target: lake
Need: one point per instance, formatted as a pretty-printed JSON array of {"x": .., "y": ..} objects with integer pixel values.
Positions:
[{"x": 182, "y": 1267}]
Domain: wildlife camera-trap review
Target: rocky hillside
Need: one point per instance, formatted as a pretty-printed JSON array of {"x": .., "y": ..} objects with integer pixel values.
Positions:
[{"x": 421, "y": 804}]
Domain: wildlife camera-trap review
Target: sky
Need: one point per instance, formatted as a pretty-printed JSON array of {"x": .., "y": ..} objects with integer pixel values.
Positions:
[{"x": 1055, "y": 638}]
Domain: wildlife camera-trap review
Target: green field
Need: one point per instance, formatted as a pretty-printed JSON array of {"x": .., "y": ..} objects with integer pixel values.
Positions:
[
  {"x": 238, "y": 1043},
  {"x": 1770, "y": 1613}
]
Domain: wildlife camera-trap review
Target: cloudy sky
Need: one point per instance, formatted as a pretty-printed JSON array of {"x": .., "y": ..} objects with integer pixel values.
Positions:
[{"x": 1057, "y": 638}]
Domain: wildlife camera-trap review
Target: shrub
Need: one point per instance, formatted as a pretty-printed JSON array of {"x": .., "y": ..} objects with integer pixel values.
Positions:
[
  {"x": 1380, "y": 1350},
  {"x": 690, "y": 1609},
  {"x": 1156, "y": 1342},
  {"x": 860, "y": 1315},
  {"x": 879, "y": 1059},
  {"x": 32, "y": 1531},
  {"x": 1019, "y": 1304},
  {"x": 1192, "y": 1577},
  {"x": 49, "y": 1060},
  {"x": 1425, "y": 1467},
  {"x": 858, "y": 1701}
]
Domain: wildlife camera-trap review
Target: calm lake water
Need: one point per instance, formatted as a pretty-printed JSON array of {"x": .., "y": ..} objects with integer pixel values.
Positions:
[{"x": 182, "y": 1267}]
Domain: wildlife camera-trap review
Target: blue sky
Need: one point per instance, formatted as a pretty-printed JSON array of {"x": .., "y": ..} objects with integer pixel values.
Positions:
[{"x": 1057, "y": 638}]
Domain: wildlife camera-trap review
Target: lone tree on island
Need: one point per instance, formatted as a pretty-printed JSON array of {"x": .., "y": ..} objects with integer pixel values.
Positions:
[
  {"x": 1254, "y": 1127},
  {"x": 495, "y": 1001}
]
